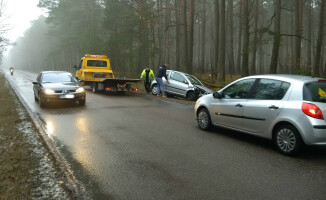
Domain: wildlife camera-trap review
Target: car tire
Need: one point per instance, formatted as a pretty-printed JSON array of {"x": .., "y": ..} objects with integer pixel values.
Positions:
[
  {"x": 190, "y": 96},
  {"x": 169, "y": 95},
  {"x": 82, "y": 102},
  {"x": 204, "y": 119},
  {"x": 94, "y": 87},
  {"x": 35, "y": 98},
  {"x": 42, "y": 102},
  {"x": 154, "y": 89},
  {"x": 288, "y": 140}
]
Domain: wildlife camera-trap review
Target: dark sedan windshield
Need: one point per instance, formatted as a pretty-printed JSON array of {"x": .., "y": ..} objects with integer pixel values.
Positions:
[
  {"x": 315, "y": 91},
  {"x": 193, "y": 80},
  {"x": 57, "y": 77}
]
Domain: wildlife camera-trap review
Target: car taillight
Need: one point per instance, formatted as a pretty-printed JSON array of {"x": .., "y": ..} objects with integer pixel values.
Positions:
[
  {"x": 312, "y": 110},
  {"x": 321, "y": 80}
]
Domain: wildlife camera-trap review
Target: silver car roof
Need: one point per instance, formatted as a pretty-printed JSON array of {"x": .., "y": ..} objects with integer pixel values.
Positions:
[{"x": 287, "y": 77}]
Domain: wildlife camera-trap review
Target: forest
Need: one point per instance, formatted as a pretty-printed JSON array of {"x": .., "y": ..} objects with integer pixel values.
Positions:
[{"x": 219, "y": 38}]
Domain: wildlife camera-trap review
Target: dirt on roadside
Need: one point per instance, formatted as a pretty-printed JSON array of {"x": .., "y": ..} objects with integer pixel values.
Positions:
[{"x": 26, "y": 168}]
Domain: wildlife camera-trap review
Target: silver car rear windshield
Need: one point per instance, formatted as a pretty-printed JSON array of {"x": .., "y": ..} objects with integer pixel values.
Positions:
[{"x": 315, "y": 91}]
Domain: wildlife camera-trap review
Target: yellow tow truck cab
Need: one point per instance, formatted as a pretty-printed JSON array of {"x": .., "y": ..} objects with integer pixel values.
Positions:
[
  {"x": 95, "y": 71},
  {"x": 94, "y": 68}
]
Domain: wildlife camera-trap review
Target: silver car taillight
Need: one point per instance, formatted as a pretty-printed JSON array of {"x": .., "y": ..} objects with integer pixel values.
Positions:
[{"x": 312, "y": 110}]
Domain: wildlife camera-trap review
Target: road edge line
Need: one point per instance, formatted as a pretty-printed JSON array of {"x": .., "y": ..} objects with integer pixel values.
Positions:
[{"x": 74, "y": 187}]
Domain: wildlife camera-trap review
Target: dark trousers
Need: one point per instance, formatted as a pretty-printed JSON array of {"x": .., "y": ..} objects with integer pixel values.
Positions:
[{"x": 147, "y": 86}]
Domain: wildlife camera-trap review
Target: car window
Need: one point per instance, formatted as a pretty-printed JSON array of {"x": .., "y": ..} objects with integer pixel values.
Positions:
[
  {"x": 315, "y": 91},
  {"x": 269, "y": 89},
  {"x": 177, "y": 77},
  {"x": 96, "y": 63},
  {"x": 239, "y": 90},
  {"x": 193, "y": 80},
  {"x": 57, "y": 77},
  {"x": 81, "y": 63}
]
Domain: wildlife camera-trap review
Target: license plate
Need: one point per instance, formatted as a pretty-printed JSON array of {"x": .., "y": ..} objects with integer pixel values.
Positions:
[{"x": 67, "y": 96}]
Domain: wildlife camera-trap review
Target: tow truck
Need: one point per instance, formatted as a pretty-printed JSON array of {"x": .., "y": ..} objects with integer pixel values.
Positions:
[{"x": 95, "y": 71}]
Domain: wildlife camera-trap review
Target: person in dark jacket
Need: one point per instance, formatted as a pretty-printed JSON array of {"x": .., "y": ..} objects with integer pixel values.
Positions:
[{"x": 158, "y": 77}]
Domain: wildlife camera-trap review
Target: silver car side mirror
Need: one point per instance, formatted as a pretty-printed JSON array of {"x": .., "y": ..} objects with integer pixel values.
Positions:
[{"x": 218, "y": 95}]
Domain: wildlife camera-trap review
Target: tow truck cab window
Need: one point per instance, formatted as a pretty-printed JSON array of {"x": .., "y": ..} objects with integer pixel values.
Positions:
[{"x": 96, "y": 63}]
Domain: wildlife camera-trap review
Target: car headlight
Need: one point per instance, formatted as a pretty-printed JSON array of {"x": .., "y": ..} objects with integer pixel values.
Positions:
[
  {"x": 49, "y": 91},
  {"x": 81, "y": 89}
]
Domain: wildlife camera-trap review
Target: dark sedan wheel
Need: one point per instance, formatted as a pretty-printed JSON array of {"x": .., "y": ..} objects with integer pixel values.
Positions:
[
  {"x": 204, "y": 119},
  {"x": 154, "y": 89},
  {"x": 191, "y": 96},
  {"x": 35, "y": 98},
  {"x": 42, "y": 102},
  {"x": 287, "y": 140},
  {"x": 82, "y": 102}
]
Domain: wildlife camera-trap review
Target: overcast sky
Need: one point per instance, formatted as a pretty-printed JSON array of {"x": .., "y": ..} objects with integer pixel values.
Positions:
[{"x": 20, "y": 14}]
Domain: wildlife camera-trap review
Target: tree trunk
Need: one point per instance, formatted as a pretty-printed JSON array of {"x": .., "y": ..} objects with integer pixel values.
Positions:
[
  {"x": 191, "y": 37},
  {"x": 238, "y": 66},
  {"x": 309, "y": 34},
  {"x": 203, "y": 42},
  {"x": 185, "y": 36},
  {"x": 319, "y": 39},
  {"x": 277, "y": 37},
  {"x": 159, "y": 30},
  {"x": 245, "y": 48},
  {"x": 177, "y": 6},
  {"x": 255, "y": 41},
  {"x": 222, "y": 50},
  {"x": 298, "y": 28},
  {"x": 231, "y": 50},
  {"x": 216, "y": 6}
]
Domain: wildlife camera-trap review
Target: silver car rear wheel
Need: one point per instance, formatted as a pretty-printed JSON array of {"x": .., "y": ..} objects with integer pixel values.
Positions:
[
  {"x": 288, "y": 140},
  {"x": 204, "y": 120}
]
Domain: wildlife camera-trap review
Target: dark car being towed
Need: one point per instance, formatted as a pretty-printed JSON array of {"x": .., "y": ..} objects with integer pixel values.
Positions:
[{"x": 58, "y": 86}]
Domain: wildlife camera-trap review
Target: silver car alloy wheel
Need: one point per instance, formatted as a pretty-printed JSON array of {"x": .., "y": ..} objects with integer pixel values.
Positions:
[
  {"x": 203, "y": 119},
  {"x": 286, "y": 140}
]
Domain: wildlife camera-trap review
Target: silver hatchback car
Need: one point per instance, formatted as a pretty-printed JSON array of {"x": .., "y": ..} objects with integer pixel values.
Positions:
[
  {"x": 182, "y": 84},
  {"x": 289, "y": 109}
]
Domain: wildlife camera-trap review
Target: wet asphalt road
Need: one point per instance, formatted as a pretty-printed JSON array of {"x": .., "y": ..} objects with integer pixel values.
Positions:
[{"x": 142, "y": 147}]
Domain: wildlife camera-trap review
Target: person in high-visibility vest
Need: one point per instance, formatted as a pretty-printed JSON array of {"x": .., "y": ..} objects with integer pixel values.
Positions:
[{"x": 148, "y": 76}]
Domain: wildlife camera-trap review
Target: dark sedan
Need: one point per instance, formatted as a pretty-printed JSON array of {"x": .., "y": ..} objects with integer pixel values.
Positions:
[{"x": 58, "y": 86}]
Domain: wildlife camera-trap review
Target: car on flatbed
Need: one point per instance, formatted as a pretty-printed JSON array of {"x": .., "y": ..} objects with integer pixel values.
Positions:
[
  {"x": 58, "y": 86},
  {"x": 289, "y": 109}
]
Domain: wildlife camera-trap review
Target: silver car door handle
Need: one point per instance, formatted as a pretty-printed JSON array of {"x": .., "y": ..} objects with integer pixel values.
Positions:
[
  {"x": 273, "y": 107},
  {"x": 239, "y": 105}
]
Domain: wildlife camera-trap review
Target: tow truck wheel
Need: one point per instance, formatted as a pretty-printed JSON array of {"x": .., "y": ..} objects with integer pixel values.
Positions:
[{"x": 94, "y": 87}]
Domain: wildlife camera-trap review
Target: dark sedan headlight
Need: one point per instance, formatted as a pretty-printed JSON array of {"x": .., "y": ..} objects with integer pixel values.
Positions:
[
  {"x": 80, "y": 90},
  {"x": 49, "y": 91}
]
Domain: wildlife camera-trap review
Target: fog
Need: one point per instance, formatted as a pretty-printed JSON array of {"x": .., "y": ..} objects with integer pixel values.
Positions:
[{"x": 206, "y": 37}]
